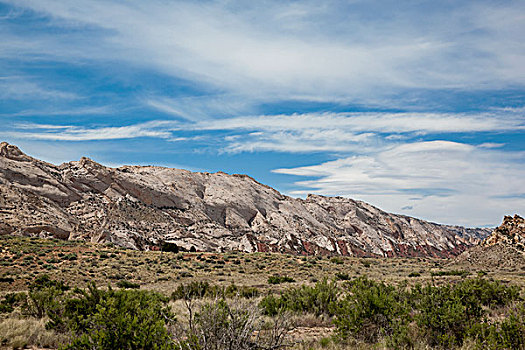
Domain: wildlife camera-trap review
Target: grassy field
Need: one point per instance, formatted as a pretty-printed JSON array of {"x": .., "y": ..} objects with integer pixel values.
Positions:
[{"x": 78, "y": 263}]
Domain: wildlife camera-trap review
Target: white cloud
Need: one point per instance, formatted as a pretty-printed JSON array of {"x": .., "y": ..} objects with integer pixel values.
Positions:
[
  {"x": 197, "y": 108},
  {"x": 442, "y": 181},
  {"x": 21, "y": 88},
  {"x": 348, "y": 132},
  {"x": 77, "y": 133},
  {"x": 374, "y": 122},
  {"x": 56, "y": 111},
  {"x": 296, "y": 133},
  {"x": 276, "y": 50}
]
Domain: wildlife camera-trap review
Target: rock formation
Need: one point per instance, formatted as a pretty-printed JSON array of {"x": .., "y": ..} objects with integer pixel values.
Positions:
[
  {"x": 503, "y": 249},
  {"x": 511, "y": 232},
  {"x": 142, "y": 206}
]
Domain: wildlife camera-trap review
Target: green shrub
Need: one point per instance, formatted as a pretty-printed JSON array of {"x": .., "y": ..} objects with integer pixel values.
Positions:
[
  {"x": 342, "y": 276},
  {"x": 461, "y": 273},
  {"x": 197, "y": 290},
  {"x": 336, "y": 260},
  {"x": 240, "y": 291},
  {"x": 448, "y": 314},
  {"x": 11, "y": 300},
  {"x": 127, "y": 284},
  {"x": 44, "y": 297},
  {"x": 122, "y": 319},
  {"x": 370, "y": 310},
  {"x": 319, "y": 299},
  {"x": 280, "y": 279},
  {"x": 444, "y": 318}
]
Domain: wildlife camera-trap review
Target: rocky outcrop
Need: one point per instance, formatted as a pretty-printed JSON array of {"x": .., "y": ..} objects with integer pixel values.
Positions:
[
  {"x": 140, "y": 206},
  {"x": 511, "y": 233},
  {"x": 503, "y": 249}
]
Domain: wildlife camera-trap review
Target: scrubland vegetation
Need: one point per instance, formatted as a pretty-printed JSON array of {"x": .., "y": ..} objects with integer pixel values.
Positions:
[{"x": 249, "y": 301}]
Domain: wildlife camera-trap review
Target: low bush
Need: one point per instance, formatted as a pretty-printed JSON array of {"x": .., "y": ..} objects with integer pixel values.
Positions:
[
  {"x": 370, "y": 310},
  {"x": 280, "y": 279},
  {"x": 12, "y": 300},
  {"x": 342, "y": 276},
  {"x": 318, "y": 300},
  {"x": 461, "y": 273},
  {"x": 44, "y": 297},
  {"x": 127, "y": 284},
  {"x": 199, "y": 289},
  {"x": 233, "y": 326},
  {"x": 122, "y": 319},
  {"x": 442, "y": 317}
]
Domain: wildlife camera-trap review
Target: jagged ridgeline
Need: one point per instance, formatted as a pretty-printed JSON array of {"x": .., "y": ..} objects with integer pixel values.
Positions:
[{"x": 145, "y": 207}]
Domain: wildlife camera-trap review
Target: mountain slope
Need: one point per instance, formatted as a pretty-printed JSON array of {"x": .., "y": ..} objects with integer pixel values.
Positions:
[{"x": 138, "y": 206}]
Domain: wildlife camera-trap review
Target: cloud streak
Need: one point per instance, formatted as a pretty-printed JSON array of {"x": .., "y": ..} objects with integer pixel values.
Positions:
[
  {"x": 331, "y": 131},
  {"x": 298, "y": 50},
  {"x": 75, "y": 133}
]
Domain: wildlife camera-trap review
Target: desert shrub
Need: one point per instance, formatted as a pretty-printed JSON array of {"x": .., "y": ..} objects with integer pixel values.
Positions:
[
  {"x": 195, "y": 289},
  {"x": 444, "y": 317},
  {"x": 11, "y": 300},
  {"x": 234, "y": 326},
  {"x": 488, "y": 293},
  {"x": 280, "y": 279},
  {"x": 370, "y": 310},
  {"x": 318, "y": 300},
  {"x": 414, "y": 274},
  {"x": 342, "y": 276},
  {"x": 198, "y": 290},
  {"x": 73, "y": 256},
  {"x": 44, "y": 297},
  {"x": 448, "y": 314},
  {"x": 336, "y": 260},
  {"x": 461, "y": 273},
  {"x": 122, "y": 319},
  {"x": 507, "y": 334},
  {"x": 127, "y": 284},
  {"x": 240, "y": 291}
]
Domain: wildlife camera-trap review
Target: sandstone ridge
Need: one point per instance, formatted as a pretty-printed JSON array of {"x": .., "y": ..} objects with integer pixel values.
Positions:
[{"x": 140, "y": 207}]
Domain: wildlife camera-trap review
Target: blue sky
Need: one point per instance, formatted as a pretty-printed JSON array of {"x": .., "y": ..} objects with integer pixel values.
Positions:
[{"x": 417, "y": 107}]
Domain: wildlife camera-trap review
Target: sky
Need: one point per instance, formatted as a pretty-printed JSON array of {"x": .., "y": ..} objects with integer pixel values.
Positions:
[{"x": 417, "y": 107}]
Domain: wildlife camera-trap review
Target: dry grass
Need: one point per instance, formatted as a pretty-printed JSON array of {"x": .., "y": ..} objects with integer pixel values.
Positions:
[
  {"x": 80, "y": 262},
  {"x": 18, "y": 333}
]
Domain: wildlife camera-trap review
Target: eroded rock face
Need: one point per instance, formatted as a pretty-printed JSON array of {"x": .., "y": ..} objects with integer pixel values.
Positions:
[
  {"x": 511, "y": 232},
  {"x": 503, "y": 249},
  {"x": 137, "y": 206}
]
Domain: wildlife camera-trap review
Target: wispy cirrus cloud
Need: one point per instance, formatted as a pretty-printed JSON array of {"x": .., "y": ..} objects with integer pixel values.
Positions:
[
  {"x": 297, "y": 50},
  {"x": 153, "y": 129},
  {"x": 22, "y": 88},
  {"x": 296, "y": 132}
]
